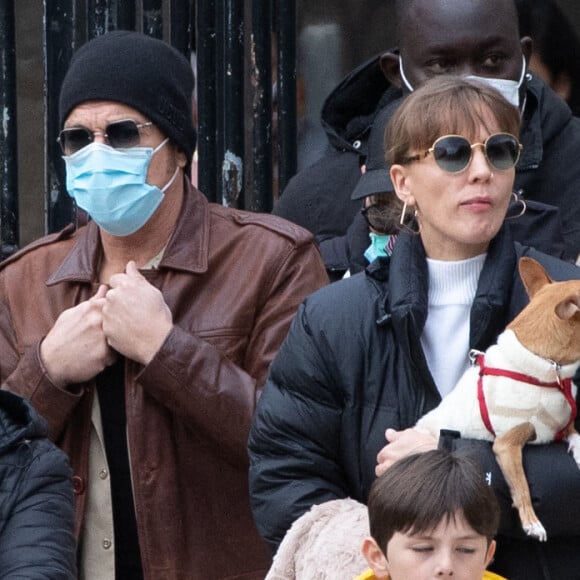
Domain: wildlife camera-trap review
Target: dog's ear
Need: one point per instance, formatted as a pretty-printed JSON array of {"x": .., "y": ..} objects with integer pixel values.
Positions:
[
  {"x": 533, "y": 275},
  {"x": 568, "y": 308}
]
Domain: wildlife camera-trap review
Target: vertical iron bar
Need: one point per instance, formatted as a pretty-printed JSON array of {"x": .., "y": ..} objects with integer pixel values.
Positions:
[
  {"x": 98, "y": 17},
  {"x": 106, "y": 15},
  {"x": 261, "y": 80},
  {"x": 180, "y": 25},
  {"x": 231, "y": 105},
  {"x": 206, "y": 49},
  {"x": 8, "y": 146},
  {"x": 285, "y": 27},
  {"x": 58, "y": 45},
  {"x": 125, "y": 14},
  {"x": 153, "y": 18}
]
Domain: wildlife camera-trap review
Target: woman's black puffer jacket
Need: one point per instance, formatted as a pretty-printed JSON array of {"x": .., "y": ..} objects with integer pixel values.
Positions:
[{"x": 352, "y": 365}]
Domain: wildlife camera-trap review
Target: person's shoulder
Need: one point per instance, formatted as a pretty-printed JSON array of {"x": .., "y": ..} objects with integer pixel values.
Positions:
[
  {"x": 262, "y": 223},
  {"x": 310, "y": 195},
  {"x": 58, "y": 242},
  {"x": 356, "y": 298},
  {"x": 557, "y": 269},
  {"x": 555, "y": 116}
]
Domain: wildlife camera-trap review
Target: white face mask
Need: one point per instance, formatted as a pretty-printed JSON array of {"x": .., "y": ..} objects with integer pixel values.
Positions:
[{"x": 509, "y": 89}]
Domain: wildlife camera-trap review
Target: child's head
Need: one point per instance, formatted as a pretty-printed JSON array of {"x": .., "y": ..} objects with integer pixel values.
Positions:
[{"x": 431, "y": 513}]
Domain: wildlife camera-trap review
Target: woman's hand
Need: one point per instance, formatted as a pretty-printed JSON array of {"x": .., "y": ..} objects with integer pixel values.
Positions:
[{"x": 400, "y": 444}]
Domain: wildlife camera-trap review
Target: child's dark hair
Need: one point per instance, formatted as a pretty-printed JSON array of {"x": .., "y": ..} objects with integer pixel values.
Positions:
[{"x": 419, "y": 491}]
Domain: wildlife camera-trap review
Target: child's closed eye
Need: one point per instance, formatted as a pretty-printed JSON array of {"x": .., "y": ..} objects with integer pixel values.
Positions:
[{"x": 422, "y": 549}]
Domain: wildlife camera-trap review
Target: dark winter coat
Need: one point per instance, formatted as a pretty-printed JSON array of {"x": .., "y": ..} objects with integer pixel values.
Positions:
[
  {"x": 36, "y": 498},
  {"x": 352, "y": 366},
  {"x": 318, "y": 198}
]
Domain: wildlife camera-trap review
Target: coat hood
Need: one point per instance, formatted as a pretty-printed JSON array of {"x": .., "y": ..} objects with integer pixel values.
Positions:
[
  {"x": 18, "y": 421},
  {"x": 350, "y": 109}
]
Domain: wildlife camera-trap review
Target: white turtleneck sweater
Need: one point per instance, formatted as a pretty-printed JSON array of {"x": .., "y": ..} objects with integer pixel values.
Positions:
[{"x": 445, "y": 338}]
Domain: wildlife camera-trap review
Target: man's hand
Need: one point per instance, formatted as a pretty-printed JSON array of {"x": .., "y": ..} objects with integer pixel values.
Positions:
[
  {"x": 136, "y": 319},
  {"x": 75, "y": 349},
  {"x": 401, "y": 444}
]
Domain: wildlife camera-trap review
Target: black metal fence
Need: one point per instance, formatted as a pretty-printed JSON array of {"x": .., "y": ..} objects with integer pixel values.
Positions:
[{"x": 246, "y": 143}]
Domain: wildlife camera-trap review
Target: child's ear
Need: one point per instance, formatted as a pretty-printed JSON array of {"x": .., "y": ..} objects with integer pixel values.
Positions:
[
  {"x": 375, "y": 558},
  {"x": 490, "y": 553}
]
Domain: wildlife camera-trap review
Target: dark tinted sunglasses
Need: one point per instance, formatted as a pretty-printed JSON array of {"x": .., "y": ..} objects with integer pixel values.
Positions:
[
  {"x": 119, "y": 134},
  {"x": 453, "y": 153}
]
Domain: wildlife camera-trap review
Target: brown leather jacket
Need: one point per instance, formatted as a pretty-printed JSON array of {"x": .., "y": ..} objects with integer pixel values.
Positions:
[{"x": 233, "y": 281}]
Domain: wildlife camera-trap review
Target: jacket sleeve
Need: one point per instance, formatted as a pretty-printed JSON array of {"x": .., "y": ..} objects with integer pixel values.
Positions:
[
  {"x": 216, "y": 396},
  {"x": 37, "y": 532},
  {"x": 293, "y": 444},
  {"x": 22, "y": 372}
]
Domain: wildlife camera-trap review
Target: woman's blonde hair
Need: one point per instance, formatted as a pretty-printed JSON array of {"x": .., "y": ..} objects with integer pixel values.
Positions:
[{"x": 446, "y": 105}]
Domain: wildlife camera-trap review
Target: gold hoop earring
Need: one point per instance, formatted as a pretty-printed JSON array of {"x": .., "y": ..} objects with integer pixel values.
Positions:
[
  {"x": 517, "y": 199},
  {"x": 407, "y": 221}
]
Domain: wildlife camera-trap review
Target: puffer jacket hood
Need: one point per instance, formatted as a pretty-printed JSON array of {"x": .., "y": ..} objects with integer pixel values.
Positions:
[
  {"x": 18, "y": 421},
  {"x": 350, "y": 109},
  {"x": 36, "y": 497}
]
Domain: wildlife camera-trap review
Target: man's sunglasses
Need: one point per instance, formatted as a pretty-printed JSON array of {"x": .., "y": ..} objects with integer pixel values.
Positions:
[
  {"x": 119, "y": 134},
  {"x": 453, "y": 153}
]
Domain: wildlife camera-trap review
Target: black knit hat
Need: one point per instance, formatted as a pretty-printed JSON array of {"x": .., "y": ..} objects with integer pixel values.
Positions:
[{"x": 136, "y": 70}]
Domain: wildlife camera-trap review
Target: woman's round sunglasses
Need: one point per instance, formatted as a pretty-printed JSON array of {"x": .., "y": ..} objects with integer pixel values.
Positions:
[
  {"x": 119, "y": 135},
  {"x": 453, "y": 153}
]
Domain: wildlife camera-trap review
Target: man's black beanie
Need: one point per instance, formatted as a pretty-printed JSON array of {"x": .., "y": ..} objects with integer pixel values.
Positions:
[{"x": 139, "y": 71}]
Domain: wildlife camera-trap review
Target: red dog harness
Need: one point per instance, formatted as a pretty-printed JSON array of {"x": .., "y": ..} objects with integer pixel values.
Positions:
[{"x": 564, "y": 385}]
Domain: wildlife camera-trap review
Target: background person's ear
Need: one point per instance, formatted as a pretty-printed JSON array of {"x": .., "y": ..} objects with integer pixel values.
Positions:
[
  {"x": 527, "y": 45},
  {"x": 389, "y": 62}
]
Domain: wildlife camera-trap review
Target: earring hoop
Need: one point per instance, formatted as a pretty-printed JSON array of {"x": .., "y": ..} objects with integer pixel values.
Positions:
[
  {"x": 407, "y": 221},
  {"x": 403, "y": 214},
  {"x": 518, "y": 199}
]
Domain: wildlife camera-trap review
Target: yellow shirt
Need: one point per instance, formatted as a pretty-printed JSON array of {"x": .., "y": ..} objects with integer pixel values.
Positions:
[{"x": 368, "y": 575}]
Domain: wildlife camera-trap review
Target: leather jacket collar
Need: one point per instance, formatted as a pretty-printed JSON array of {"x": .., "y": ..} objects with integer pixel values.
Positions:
[{"x": 184, "y": 251}]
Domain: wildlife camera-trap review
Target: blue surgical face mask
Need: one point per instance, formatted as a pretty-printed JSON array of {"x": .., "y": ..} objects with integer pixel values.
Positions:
[
  {"x": 506, "y": 87},
  {"x": 110, "y": 185},
  {"x": 381, "y": 246}
]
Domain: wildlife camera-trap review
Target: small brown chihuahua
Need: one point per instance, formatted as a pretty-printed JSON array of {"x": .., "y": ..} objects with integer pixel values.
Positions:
[{"x": 520, "y": 390}]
